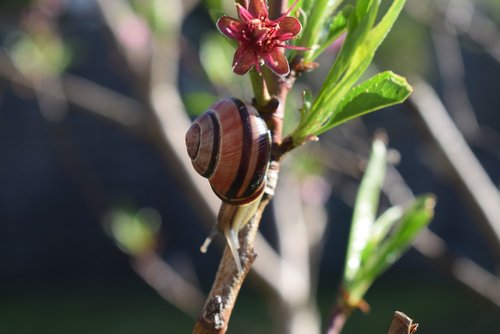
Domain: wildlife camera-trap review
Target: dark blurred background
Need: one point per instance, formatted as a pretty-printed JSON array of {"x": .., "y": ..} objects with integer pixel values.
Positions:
[{"x": 76, "y": 149}]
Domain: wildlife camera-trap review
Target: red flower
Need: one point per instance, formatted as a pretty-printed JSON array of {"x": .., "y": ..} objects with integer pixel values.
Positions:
[{"x": 260, "y": 39}]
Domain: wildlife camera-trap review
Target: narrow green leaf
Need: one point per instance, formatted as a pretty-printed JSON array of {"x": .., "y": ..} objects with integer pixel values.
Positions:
[
  {"x": 364, "y": 210},
  {"x": 416, "y": 217},
  {"x": 304, "y": 5},
  {"x": 312, "y": 32},
  {"x": 382, "y": 90},
  {"x": 381, "y": 228},
  {"x": 337, "y": 27},
  {"x": 359, "y": 25}
]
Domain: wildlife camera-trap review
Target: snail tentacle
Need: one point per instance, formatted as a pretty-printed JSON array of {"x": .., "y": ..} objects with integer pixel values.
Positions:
[{"x": 234, "y": 245}]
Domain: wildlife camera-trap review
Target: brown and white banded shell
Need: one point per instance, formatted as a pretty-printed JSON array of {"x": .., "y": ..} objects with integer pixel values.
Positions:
[{"x": 230, "y": 145}]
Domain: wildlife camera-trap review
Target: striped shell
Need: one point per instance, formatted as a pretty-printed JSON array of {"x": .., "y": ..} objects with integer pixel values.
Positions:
[{"x": 230, "y": 145}]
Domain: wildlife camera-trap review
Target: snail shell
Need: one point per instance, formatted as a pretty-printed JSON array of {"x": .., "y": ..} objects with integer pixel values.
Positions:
[{"x": 230, "y": 145}]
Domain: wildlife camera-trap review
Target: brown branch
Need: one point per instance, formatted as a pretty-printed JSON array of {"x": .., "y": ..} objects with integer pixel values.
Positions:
[
  {"x": 339, "y": 316},
  {"x": 222, "y": 298},
  {"x": 402, "y": 324},
  {"x": 228, "y": 281},
  {"x": 168, "y": 283}
]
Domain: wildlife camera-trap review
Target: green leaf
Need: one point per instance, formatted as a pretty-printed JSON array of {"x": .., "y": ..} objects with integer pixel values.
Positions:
[
  {"x": 215, "y": 9},
  {"x": 364, "y": 210},
  {"x": 133, "y": 233},
  {"x": 215, "y": 14},
  {"x": 216, "y": 56},
  {"x": 197, "y": 102},
  {"x": 382, "y": 90},
  {"x": 381, "y": 228},
  {"x": 416, "y": 217},
  {"x": 356, "y": 55},
  {"x": 313, "y": 30},
  {"x": 304, "y": 5},
  {"x": 359, "y": 25},
  {"x": 337, "y": 27}
]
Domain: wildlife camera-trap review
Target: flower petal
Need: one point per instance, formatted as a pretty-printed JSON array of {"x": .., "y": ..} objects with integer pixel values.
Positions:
[
  {"x": 258, "y": 8},
  {"x": 229, "y": 27},
  {"x": 243, "y": 60},
  {"x": 289, "y": 28},
  {"x": 277, "y": 62},
  {"x": 244, "y": 14}
]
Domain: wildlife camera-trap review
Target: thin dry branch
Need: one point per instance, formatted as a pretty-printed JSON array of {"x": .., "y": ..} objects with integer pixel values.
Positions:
[
  {"x": 462, "y": 16},
  {"x": 88, "y": 95},
  {"x": 473, "y": 179},
  {"x": 168, "y": 283},
  {"x": 161, "y": 99},
  {"x": 449, "y": 21},
  {"x": 228, "y": 281},
  {"x": 471, "y": 22},
  {"x": 452, "y": 73},
  {"x": 296, "y": 240},
  {"x": 53, "y": 94}
]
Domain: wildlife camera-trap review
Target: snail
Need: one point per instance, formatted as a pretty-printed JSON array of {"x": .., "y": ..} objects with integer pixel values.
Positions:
[{"x": 230, "y": 145}]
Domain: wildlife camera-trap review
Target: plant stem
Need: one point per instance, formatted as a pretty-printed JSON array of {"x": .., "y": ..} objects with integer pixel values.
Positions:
[
  {"x": 260, "y": 90},
  {"x": 341, "y": 311},
  {"x": 402, "y": 324},
  {"x": 228, "y": 281},
  {"x": 277, "y": 7},
  {"x": 270, "y": 93}
]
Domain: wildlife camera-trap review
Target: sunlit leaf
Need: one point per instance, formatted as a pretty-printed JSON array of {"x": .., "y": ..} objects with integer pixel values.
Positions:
[
  {"x": 381, "y": 228},
  {"x": 382, "y": 90},
  {"x": 337, "y": 27},
  {"x": 416, "y": 217},
  {"x": 365, "y": 209},
  {"x": 317, "y": 19},
  {"x": 356, "y": 55}
]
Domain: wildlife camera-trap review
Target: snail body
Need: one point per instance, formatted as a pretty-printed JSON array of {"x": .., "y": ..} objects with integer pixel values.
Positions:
[{"x": 230, "y": 145}]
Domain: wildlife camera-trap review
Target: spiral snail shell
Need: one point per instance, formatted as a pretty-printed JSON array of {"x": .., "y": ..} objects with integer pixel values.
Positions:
[{"x": 230, "y": 145}]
